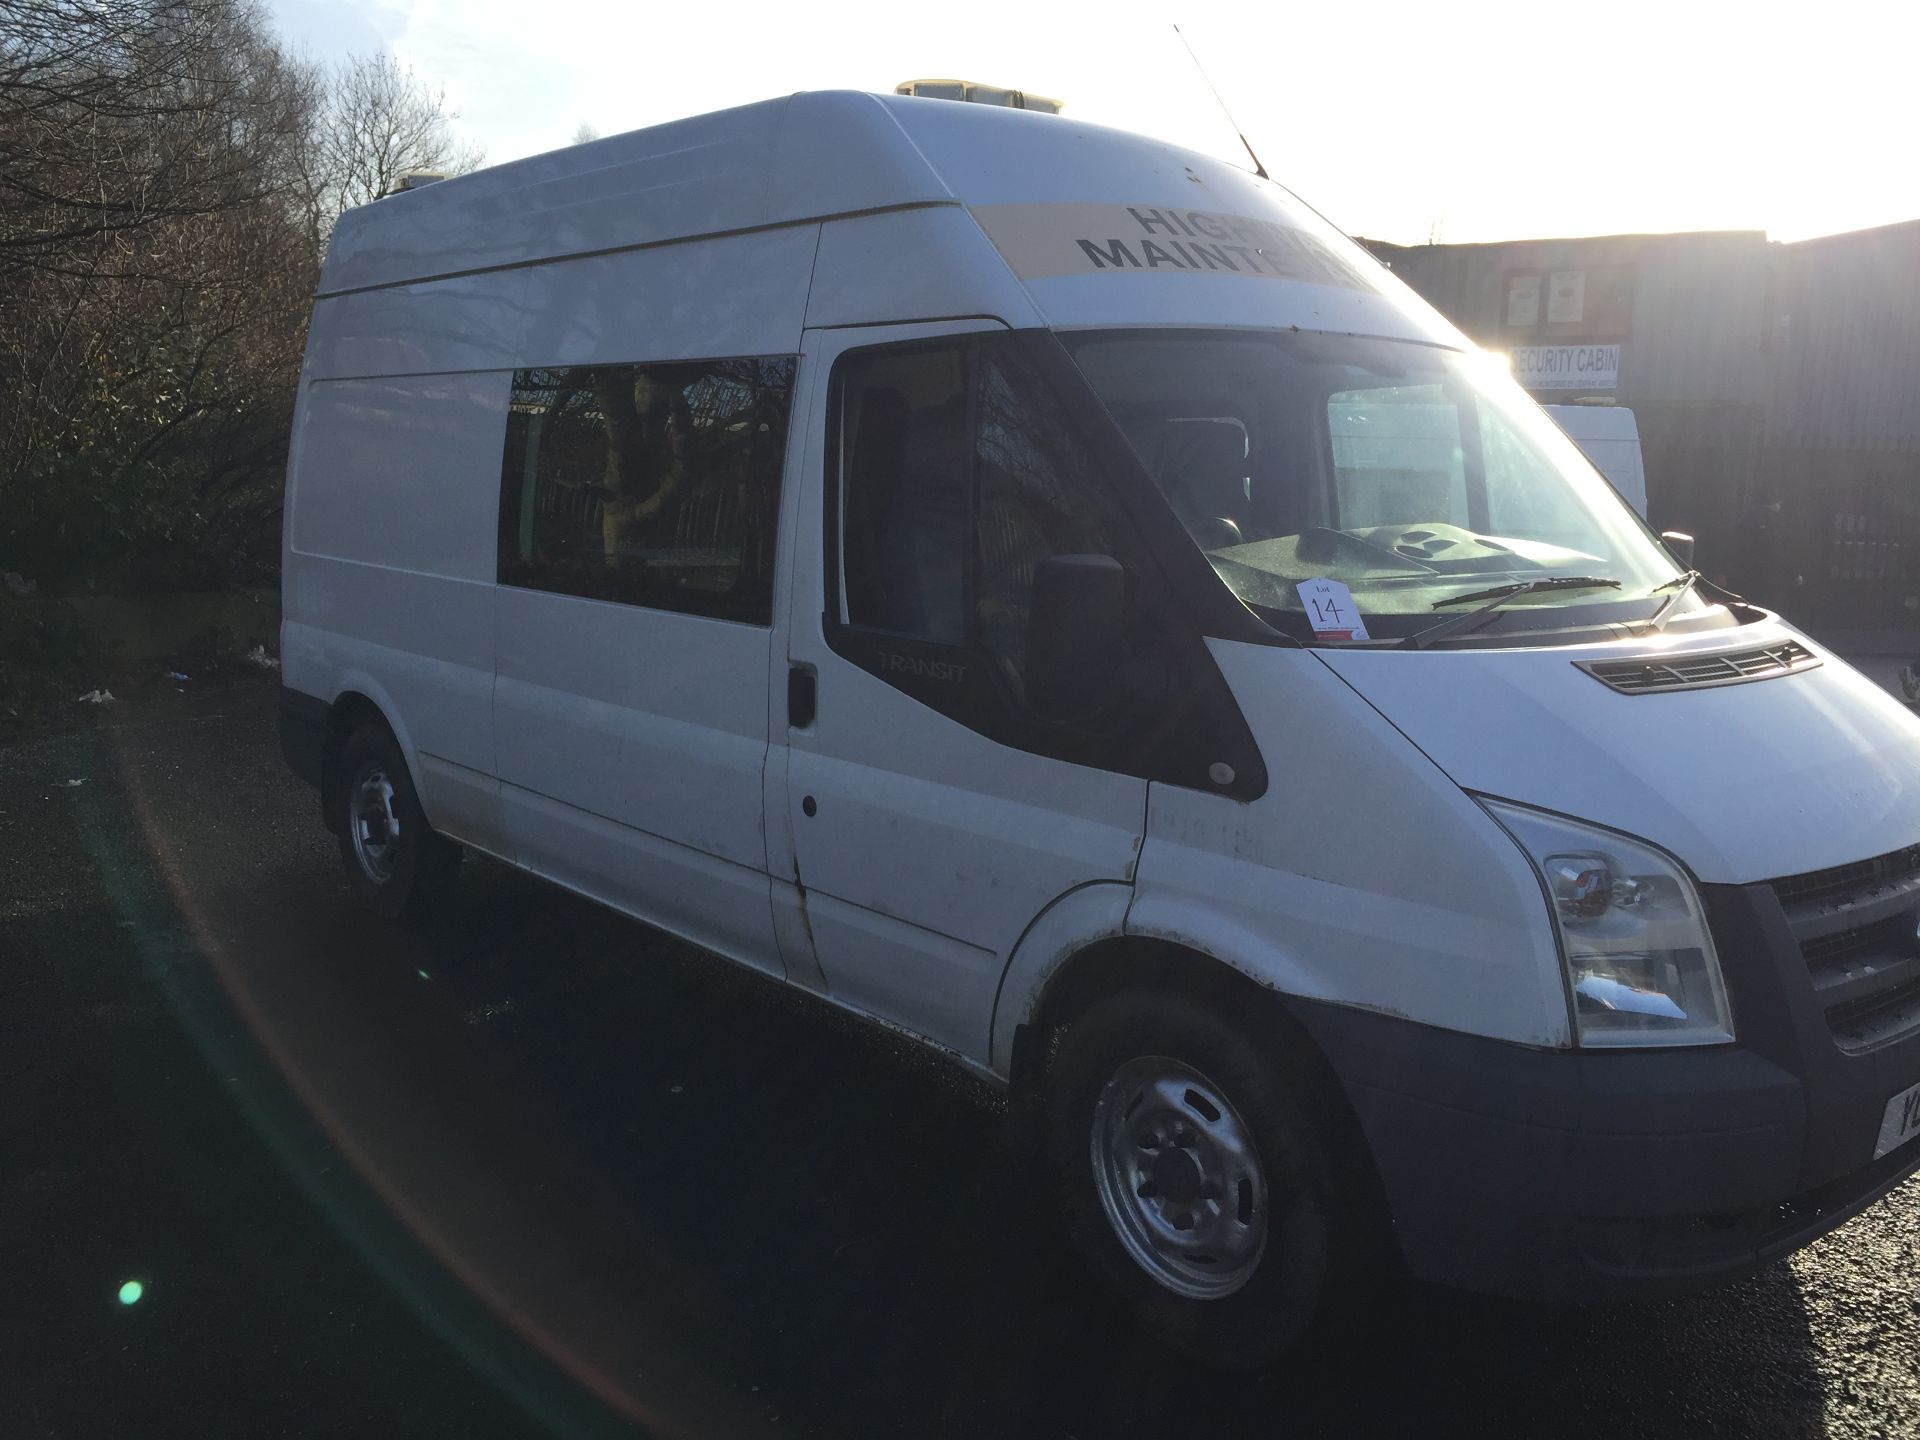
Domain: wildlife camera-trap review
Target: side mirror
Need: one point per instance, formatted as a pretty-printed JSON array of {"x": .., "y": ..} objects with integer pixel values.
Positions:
[
  {"x": 1076, "y": 633},
  {"x": 1679, "y": 545}
]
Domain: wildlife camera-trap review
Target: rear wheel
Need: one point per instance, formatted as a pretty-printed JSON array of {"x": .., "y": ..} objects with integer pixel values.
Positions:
[
  {"x": 1212, "y": 1180},
  {"x": 397, "y": 865}
]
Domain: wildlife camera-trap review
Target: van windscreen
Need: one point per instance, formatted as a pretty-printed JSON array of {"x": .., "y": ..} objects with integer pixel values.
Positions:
[{"x": 1416, "y": 476}]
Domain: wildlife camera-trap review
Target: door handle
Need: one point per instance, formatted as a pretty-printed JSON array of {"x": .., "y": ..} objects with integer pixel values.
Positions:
[{"x": 803, "y": 696}]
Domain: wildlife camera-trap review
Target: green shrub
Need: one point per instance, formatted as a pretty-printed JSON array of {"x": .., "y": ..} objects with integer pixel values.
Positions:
[
  {"x": 83, "y": 523},
  {"x": 48, "y": 655},
  {"x": 79, "y": 523}
]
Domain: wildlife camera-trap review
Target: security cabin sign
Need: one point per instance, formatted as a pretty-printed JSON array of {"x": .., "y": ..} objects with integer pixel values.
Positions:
[
  {"x": 1331, "y": 611},
  {"x": 1567, "y": 367},
  {"x": 1041, "y": 241}
]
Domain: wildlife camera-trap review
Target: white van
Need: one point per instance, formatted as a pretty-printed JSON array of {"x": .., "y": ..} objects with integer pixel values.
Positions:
[
  {"x": 1609, "y": 436},
  {"x": 1047, "y": 592}
]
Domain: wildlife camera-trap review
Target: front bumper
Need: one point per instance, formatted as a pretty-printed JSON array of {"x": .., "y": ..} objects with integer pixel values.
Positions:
[{"x": 1627, "y": 1174}]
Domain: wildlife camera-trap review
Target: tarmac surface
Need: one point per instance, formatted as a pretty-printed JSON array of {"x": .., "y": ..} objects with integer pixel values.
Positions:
[{"x": 541, "y": 1170}]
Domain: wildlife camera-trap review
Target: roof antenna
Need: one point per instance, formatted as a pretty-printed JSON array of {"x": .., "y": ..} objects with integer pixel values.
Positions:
[{"x": 1258, "y": 168}]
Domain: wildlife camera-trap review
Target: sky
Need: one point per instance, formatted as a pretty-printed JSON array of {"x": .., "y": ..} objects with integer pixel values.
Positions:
[{"x": 1456, "y": 121}]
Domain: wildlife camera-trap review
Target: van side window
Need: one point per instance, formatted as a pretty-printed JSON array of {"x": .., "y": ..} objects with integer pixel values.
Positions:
[
  {"x": 655, "y": 485},
  {"x": 960, "y": 474},
  {"x": 1035, "y": 501},
  {"x": 904, "y": 500}
]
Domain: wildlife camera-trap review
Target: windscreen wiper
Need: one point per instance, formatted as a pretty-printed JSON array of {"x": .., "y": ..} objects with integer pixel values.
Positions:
[
  {"x": 1493, "y": 599},
  {"x": 1680, "y": 585}
]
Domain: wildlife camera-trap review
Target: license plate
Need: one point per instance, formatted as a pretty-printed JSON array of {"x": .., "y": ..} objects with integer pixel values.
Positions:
[{"x": 1901, "y": 1122}]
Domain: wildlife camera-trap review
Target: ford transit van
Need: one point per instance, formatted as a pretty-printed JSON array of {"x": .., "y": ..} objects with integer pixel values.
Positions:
[{"x": 1050, "y": 593}]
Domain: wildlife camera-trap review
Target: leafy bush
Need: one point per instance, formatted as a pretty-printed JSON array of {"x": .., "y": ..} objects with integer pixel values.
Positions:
[
  {"x": 82, "y": 523},
  {"x": 48, "y": 655}
]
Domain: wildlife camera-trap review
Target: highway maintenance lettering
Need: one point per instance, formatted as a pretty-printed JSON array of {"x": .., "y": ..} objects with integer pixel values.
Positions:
[{"x": 1044, "y": 240}]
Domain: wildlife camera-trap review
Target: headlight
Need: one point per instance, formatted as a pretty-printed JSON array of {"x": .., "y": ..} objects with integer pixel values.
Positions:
[{"x": 1633, "y": 934}]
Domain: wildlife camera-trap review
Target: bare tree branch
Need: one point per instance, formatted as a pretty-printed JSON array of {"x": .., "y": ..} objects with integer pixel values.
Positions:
[
  {"x": 168, "y": 180},
  {"x": 380, "y": 124}
]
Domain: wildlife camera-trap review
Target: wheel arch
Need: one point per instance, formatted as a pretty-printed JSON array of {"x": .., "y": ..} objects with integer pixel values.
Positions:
[
  {"x": 349, "y": 710},
  {"x": 1114, "y": 963},
  {"x": 1088, "y": 944}
]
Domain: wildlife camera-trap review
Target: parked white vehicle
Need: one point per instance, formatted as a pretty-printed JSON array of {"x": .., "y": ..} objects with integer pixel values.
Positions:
[
  {"x": 1609, "y": 436},
  {"x": 1050, "y": 593}
]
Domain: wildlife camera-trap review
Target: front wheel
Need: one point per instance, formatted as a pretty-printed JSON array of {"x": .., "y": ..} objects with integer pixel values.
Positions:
[
  {"x": 395, "y": 862},
  {"x": 1214, "y": 1182}
]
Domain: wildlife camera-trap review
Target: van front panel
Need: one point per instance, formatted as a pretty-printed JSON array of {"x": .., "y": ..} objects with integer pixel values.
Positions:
[
  {"x": 1361, "y": 877},
  {"x": 1744, "y": 782}
]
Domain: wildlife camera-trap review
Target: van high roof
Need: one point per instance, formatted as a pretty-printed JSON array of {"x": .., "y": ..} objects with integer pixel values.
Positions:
[{"x": 1059, "y": 199}]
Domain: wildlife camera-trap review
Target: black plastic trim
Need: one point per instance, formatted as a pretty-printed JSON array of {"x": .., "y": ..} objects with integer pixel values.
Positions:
[
  {"x": 802, "y": 696},
  {"x": 1662, "y": 675},
  {"x": 1871, "y": 905},
  {"x": 1873, "y": 975},
  {"x": 1588, "y": 1175}
]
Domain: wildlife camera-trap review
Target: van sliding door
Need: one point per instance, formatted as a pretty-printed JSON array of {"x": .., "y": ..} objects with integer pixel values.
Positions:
[{"x": 639, "y": 508}]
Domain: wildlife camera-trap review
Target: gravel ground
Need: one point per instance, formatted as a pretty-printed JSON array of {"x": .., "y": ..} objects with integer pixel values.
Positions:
[{"x": 540, "y": 1170}]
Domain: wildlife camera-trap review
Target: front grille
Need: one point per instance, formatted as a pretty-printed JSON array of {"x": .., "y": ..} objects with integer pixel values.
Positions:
[
  {"x": 1851, "y": 944},
  {"x": 1695, "y": 672},
  {"x": 1818, "y": 887},
  {"x": 1861, "y": 1024},
  {"x": 1856, "y": 927}
]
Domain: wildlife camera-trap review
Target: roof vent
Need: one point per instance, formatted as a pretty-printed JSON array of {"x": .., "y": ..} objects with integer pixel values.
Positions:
[
  {"x": 414, "y": 179},
  {"x": 1697, "y": 672},
  {"x": 978, "y": 94}
]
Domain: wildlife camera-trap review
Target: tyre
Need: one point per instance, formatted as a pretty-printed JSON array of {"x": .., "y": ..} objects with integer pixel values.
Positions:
[
  {"x": 1219, "y": 1185},
  {"x": 396, "y": 864}
]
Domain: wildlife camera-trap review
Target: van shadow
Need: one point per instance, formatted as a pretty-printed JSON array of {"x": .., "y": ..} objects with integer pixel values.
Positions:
[
  {"x": 863, "y": 1247},
  {"x": 719, "y": 1202}
]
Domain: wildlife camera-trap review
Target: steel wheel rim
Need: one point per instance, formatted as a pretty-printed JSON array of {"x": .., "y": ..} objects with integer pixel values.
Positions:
[
  {"x": 1179, "y": 1178},
  {"x": 372, "y": 823}
]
